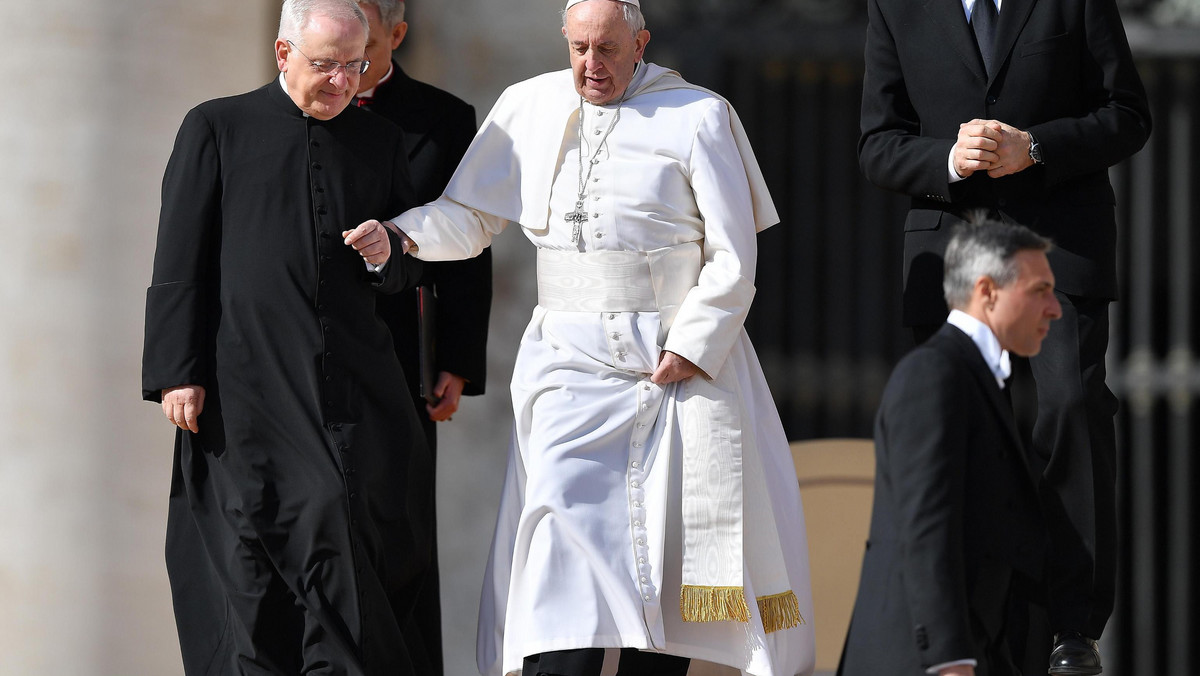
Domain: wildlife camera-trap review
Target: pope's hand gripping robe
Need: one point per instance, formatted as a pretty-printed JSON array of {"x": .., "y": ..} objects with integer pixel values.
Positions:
[{"x": 664, "y": 518}]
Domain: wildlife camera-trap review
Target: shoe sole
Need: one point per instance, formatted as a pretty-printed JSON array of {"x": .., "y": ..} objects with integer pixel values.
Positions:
[{"x": 1074, "y": 671}]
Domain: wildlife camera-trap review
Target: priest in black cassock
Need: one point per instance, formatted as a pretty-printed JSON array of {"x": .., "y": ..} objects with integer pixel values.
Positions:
[{"x": 290, "y": 545}]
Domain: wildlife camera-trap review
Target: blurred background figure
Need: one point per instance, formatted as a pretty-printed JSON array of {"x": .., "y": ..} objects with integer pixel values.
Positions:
[{"x": 956, "y": 523}]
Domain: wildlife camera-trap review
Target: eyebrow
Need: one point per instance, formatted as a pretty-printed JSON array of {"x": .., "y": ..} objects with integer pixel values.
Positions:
[{"x": 583, "y": 43}]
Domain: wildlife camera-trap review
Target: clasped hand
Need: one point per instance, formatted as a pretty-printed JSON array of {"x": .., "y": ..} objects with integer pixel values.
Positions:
[{"x": 992, "y": 146}]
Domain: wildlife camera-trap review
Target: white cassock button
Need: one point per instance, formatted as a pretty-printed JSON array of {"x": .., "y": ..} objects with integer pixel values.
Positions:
[
  {"x": 647, "y": 597},
  {"x": 642, "y": 578},
  {"x": 637, "y": 523},
  {"x": 635, "y": 484},
  {"x": 640, "y": 541},
  {"x": 637, "y": 465},
  {"x": 612, "y": 316}
]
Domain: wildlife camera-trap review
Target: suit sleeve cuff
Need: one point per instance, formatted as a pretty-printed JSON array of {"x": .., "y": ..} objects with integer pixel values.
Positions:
[{"x": 956, "y": 663}]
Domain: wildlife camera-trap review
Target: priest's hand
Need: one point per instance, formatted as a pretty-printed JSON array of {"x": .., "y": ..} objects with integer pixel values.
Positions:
[
  {"x": 370, "y": 240},
  {"x": 183, "y": 405},
  {"x": 447, "y": 392},
  {"x": 672, "y": 368}
]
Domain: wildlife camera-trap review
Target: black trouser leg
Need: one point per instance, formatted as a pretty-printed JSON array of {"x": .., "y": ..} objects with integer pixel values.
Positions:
[{"x": 1073, "y": 449}]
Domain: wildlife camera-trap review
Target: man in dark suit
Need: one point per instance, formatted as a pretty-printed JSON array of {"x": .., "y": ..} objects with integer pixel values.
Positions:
[
  {"x": 437, "y": 128},
  {"x": 1020, "y": 107},
  {"x": 290, "y": 547},
  {"x": 956, "y": 523}
]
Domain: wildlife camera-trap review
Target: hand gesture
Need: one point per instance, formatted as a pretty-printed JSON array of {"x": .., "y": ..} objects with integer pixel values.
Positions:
[
  {"x": 975, "y": 149},
  {"x": 371, "y": 241},
  {"x": 1013, "y": 152},
  {"x": 183, "y": 405},
  {"x": 448, "y": 392},
  {"x": 672, "y": 368}
]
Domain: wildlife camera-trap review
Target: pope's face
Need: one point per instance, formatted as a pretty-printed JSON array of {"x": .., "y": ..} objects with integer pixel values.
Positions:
[
  {"x": 604, "y": 51},
  {"x": 322, "y": 95},
  {"x": 1022, "y": 310}
]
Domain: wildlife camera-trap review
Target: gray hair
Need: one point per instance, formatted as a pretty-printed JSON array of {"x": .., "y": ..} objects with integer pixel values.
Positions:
[
  {"x": 391, "y": 12},
  {"x": 633, "y": 17},
  {"x": 985, "y": 247},
  {"x": 296, "y": 14}
]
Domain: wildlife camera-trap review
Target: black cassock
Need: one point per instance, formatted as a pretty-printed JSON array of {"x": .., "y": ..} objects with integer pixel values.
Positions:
[
  {"x": 290, "y": 545},
  {"x": 438, "y": 127}
]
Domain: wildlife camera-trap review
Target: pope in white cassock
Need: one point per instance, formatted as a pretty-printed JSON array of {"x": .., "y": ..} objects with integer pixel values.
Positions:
[{"x": 650, "y": 506}]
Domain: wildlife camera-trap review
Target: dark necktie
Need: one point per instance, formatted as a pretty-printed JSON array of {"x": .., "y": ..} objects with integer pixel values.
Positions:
[{"x": 983, "y": 22}]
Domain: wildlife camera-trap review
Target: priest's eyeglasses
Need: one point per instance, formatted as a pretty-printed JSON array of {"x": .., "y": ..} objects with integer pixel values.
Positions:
[{"x": 357, "y": 67}]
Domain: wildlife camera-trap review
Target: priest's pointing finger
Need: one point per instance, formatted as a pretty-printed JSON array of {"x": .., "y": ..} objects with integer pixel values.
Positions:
[{"x": 370, "y": 240}]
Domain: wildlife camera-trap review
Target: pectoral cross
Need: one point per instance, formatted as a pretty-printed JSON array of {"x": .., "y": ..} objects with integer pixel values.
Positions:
[{"x": 577, "y": 218}]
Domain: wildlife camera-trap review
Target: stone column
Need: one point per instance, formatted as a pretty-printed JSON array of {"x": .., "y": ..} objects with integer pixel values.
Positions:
[{"x": 96, "y": 90}]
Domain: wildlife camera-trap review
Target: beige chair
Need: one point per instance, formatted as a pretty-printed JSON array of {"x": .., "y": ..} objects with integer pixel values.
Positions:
[{"x": 837, "y": 482}]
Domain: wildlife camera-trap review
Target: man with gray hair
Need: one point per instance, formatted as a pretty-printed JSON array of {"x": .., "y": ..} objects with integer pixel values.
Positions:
[
  {"x": 440, "y": 327},
  {"x": 956, "y": 524},
  {"x": 650, "y": 513},
  {"x": 289, "y": 543}
]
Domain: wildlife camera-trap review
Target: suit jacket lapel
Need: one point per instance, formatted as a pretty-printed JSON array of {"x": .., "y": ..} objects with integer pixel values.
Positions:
[
  {"x": 987, "y": 382},
  {"x": 950, "y": 16},
  {"x": 1013, "y": 15}
]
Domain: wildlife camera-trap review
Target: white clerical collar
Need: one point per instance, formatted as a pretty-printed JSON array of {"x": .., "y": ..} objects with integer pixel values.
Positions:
[
  {"x": 283, "y": 83},
  {"x": 370, "y": 93},
  {"x": 996, "y": 357}
]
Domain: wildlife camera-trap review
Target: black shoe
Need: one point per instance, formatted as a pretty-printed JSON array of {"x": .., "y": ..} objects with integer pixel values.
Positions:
[{"x": 1074, "y": 655}]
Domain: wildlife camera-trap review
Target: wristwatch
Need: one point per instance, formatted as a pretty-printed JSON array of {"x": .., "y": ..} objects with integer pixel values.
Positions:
[{"x": 1035, "y": 149}]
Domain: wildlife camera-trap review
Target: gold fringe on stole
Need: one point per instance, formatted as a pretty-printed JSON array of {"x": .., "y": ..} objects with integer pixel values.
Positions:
[
  {"x": 713, "y": 604},
  {"x": 780, "y": 611}
]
